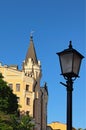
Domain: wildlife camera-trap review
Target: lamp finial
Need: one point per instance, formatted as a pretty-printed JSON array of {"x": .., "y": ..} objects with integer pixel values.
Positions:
[{"x": 70, "y": 45}]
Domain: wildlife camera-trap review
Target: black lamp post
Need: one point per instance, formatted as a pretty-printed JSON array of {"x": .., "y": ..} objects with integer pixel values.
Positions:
[{"x": 70, "y": 61}]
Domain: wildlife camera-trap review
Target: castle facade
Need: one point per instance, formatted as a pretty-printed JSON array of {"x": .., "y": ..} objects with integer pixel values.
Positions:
[{"x": 25, "y": 83}]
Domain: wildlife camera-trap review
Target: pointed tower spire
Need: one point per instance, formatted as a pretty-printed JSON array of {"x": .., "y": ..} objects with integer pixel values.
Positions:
[{"x": 31, "y": 53}]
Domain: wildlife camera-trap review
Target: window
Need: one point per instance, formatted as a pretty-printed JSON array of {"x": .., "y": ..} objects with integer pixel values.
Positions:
[
  {"x": 27, "y": 112},
  {"x": 27, "y": 87},
  {"x": 11, "y": 85},
  {"x": 17, "y": 87},
  {"x": 27, "y": 101},
  {"x": 18, "y": 99}
]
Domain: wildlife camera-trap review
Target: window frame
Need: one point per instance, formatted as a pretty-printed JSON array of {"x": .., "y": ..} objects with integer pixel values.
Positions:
[
  {"x": 17, "y": 87},
  {"x": 28, "y": 101},
  {"x": 10, "y": 85},
  {"x": 27, "y": 87}
]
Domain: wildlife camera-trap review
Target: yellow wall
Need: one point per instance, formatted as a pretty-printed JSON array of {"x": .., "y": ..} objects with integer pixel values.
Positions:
[
  {"x": 12, "y": 76},
  {"x": 58, "y": 126}
]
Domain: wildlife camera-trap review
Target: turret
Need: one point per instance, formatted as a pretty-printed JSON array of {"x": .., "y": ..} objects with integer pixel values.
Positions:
[{"x": 31, "y": 65}]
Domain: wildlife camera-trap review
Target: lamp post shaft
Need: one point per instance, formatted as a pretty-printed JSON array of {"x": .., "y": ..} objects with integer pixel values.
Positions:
[
  {"x": 69, "y": 103},
  {"x": 70, "y": 61}
]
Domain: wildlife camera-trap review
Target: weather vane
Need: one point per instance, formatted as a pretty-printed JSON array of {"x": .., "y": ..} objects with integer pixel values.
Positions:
[{"x": 31, "y": 33}]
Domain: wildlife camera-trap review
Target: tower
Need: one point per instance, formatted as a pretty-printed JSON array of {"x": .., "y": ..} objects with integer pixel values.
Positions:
[{"x": 32, "y": 68}]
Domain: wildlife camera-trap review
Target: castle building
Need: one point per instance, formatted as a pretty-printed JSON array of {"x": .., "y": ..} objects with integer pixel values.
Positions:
[{"x": 25, "y": 83}]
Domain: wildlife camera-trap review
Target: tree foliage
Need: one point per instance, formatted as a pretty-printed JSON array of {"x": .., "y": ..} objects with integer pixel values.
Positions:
[
  {"x": 9, "y": 118},
  {"x": 5, "y": 121},
  {"x": 24, "y": 122},
  {"x": 8, "y": 100},
  {"x": 13, "y": 122},
  {"x": 81, "y": 129}
]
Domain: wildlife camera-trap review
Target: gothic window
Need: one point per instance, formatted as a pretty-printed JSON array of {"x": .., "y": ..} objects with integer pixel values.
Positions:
[
  {"x": 18, "y": 87},
  {"x": 27, "y": 101}
]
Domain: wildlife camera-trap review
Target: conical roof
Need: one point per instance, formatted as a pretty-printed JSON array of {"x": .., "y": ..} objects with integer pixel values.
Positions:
[{"x": 31, "y": 53}]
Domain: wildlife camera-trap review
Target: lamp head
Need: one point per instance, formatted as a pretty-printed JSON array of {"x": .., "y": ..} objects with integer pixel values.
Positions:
[{"x": 70, "y": 61}]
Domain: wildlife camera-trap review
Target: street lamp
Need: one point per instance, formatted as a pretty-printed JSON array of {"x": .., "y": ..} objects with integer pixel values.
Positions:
[{"x": 70, "y": 61}]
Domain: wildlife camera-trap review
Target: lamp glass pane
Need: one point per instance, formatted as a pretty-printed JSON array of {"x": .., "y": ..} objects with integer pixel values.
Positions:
[
  {"x": 66, "y": 62},
  {"x": 76, "y": 64}
]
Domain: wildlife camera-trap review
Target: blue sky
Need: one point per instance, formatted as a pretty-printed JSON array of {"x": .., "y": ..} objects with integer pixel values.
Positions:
[{"x": 55, "y": 23}]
